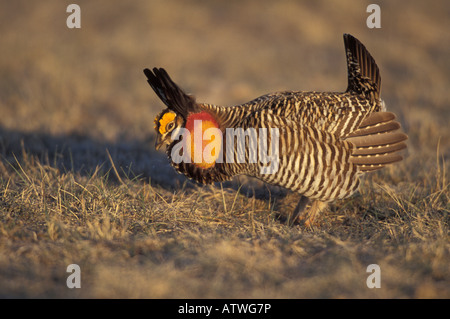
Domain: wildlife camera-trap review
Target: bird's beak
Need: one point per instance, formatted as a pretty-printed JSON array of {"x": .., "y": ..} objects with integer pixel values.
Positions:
[{"x": 159, "y": 142}]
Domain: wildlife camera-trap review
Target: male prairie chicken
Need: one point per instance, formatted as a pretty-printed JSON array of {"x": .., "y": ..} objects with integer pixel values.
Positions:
[{"x": 318, "y": 143}]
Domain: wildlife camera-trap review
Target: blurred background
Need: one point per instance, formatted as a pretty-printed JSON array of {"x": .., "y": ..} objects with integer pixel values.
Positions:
[
  {"x": 71, "y": 97},
  {"x": 66, "y": 94}
]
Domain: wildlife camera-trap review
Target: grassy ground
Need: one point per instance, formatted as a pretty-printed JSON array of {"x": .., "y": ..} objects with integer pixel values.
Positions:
[{"x": 80, "y": 182}]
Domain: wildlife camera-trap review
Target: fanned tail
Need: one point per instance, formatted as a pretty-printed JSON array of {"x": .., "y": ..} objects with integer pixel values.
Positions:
[{"x": 377, "y": 142}]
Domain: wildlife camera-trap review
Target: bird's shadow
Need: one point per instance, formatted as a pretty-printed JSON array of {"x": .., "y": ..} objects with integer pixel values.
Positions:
[
  {"x": 131, "y": 158},
  {"x": 84, "y": 155}
]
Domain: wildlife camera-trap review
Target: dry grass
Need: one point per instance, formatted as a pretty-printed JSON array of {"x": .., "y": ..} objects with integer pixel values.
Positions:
[{"x": 80, "y": 182}]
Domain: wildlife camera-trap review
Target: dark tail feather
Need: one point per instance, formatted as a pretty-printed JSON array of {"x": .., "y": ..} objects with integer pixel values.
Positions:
[
  {"x": 169, "y": 92},
  {"x": 363, "y": 73},
  {"x": 377, "y": 142}
]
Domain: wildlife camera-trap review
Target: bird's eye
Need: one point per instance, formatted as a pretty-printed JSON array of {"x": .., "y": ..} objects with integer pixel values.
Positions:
[{"x": 170, "y": 126}]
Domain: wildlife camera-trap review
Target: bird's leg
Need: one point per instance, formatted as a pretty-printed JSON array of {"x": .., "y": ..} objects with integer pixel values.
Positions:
[
  {"x": 299, "y": 209},
  {"x": 307, "y": 217}
]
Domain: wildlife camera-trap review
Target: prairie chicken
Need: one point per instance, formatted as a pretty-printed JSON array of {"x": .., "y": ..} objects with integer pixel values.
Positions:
[{"x": 324, "y": 141}]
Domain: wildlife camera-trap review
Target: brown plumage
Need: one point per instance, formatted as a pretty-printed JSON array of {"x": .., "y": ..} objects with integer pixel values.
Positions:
[{"x": 326, "y": 140}]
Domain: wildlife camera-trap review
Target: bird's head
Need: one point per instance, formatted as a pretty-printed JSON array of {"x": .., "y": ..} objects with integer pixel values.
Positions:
[
  {"x": 166, "y": 123},
  {"x": 184, "y": 113}
]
